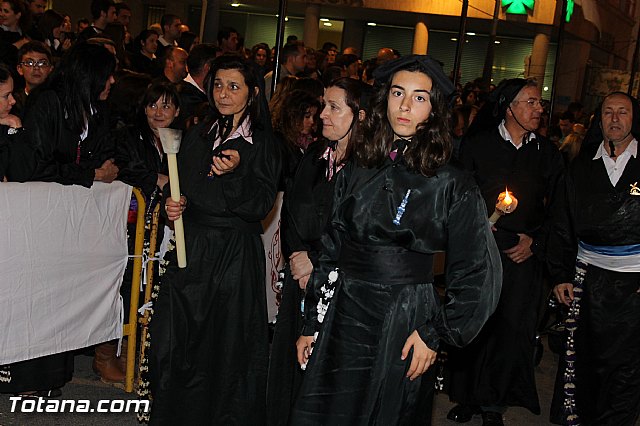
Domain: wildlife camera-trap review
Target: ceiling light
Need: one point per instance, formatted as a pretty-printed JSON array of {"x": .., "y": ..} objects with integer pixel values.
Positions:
[
  {"x": 454, "y": 39},
  {"x": 371, "y": 24},
  {"x": 327, "y": 24},
  {"x": 497, "y": 41},
  {"x": 471, "y": 34},
  {"x": 324, "y": 19},
  {"x": 235, "y": 4}
]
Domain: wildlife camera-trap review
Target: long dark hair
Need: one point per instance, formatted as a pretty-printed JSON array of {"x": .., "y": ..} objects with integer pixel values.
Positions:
[
  {"x": 294, "y": 108},
  {"x": 356, "y": 100},
  {"x": 253, "y": 109},
  {"x": 79, "y": 79},
  {"x": 50, "y": 20},
  {"x": 428, "y": 150},
  {"x": 163, "y": 90}
]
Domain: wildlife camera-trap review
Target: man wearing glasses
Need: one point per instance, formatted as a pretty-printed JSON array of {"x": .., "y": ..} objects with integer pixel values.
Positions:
[
  {"x": 503, "y": 150},
  {"x": 34, "y": 64}
]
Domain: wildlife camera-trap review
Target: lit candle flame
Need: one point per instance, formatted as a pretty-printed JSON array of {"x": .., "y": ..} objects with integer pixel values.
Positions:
[{"x": 507, "y": 198}]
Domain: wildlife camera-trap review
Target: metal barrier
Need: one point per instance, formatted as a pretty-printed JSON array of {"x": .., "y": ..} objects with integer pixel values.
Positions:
[{"x": 130, "y": 329}]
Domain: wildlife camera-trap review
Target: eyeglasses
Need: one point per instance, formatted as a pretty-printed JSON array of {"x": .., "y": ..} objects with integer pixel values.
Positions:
[
  {"x": 42, "y": 63},
  {"x": 533, "y": 103}
]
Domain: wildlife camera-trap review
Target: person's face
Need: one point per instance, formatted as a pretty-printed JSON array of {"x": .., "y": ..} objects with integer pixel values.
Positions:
[
  {"x": 617, "y": 118},
  {"x": 261, "y": 57},
  {"x": 310, "y": 62},
  {"x": 7, "y": 16},
  {"x": 178, "y": 64},
  {"x": 309, "y": 121},
  {"x": 35, "y": 68},
  {"x": 111, "y": 15},
  {"x": 471, "y": 98},
  {"x": 107, "y": 87},
  {"x": 352, "y": 70},
  {"x": 173, "y": 30},
  {"x": 37, "y": 8},
  {"x": 230, "y": 93},
  {"x": 124, "y": 17},
  {"x": 408, "y": 102},
  {"x": 336, "y": 115},
  {"x": 82, "y": 26},
  {"x": 161, "y": 113},
  {"x": 66, "y": 24},
  {"x": 6, "y": 97},
  {"x": 57, "y": 32},
  {"x": 565, "y": 126},
  {"x": 230, "y": 44},
  {"x": 331, "y": 56},
  {"x": 300, "y": 59},
  {"x": 150, "y": 44},
  {"x": 526, "y": 109}
]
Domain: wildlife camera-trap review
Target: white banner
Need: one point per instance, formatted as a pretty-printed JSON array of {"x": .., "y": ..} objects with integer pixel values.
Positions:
[{"x": 63, "y": 253}]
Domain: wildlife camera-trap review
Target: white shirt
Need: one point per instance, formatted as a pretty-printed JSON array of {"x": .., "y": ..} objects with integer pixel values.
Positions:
[
  {"x": 504, "y": 133},
  {"x": 165, "y": 43},
  {"x": 615, "y": 168}
]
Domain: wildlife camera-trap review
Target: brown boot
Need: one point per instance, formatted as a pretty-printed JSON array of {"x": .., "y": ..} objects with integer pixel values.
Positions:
[{"x": 105, "y": 363}]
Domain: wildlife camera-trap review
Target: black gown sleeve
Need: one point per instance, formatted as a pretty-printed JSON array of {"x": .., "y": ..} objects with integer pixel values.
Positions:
[
  {"x": 250, "y": 190},
  {"x": 327, "y": 258},
  {"x": 136, "y": 168},
  {"x": 54, "y": 145},
  {"x": 473, "y": 272}
]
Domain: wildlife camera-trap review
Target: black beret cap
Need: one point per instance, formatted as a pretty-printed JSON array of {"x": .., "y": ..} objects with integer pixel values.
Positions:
[
  {"x": 426, "y": 63},
  {"x": 504, "y": 94}
]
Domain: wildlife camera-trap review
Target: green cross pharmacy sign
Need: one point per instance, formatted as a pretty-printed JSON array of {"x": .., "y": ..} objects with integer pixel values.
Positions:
[{"x": 520, "y": 7}]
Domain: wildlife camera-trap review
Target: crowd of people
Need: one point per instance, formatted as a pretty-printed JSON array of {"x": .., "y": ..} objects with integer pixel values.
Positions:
[{"x": 383, "y": 163}]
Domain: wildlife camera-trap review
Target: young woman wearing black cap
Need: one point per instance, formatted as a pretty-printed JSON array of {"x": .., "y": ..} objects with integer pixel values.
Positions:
[{"x": 372, "y": 316}]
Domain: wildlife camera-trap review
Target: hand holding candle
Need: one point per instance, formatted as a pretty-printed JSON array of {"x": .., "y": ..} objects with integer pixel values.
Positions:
[
  {"x": 506, "y": 204},
  {"x": 170, "y": 139}
]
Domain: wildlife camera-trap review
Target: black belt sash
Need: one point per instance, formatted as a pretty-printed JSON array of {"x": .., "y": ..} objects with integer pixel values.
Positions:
[
  {"x": 385, "y": 264},
  {"x": 193, "y": 214}
]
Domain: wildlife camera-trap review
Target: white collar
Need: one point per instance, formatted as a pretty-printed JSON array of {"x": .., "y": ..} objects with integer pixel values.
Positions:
[
  {"x": 632, "y": 149},
  {"x": 189, "y": 79},
  {"x": 243, "y": 130},
  {"x": 504, "y": 133}
]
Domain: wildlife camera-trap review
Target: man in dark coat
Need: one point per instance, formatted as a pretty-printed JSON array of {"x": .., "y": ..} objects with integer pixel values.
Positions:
[
  {"x": 594, "y": 262},
  {"x": 194, "y": 102},
  {"x": 503, "y": 151}
]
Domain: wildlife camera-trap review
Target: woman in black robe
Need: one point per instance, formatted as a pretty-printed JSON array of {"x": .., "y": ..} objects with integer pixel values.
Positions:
[
  {"x": 209, "y": 350},
  {"x": 372, "y": 316},
  {"x": 305, "y": 212}
]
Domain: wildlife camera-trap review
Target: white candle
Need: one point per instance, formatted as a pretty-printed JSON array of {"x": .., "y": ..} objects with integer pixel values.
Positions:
[
  {"x": 178, "y": 227},
  {"x": 170, "y": 139}
]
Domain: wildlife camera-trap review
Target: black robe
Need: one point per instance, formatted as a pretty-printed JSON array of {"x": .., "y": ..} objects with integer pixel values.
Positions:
[
  {"x": 382, "y": 238},
  {"x": 607, "y": 341},
  {"x": 193, "y": 103},
  {"x": 145, "y": 65},
  {"x": 209, "y": 339},
  {"x": 308, "y": 199},
  {"x": 55, "y": 145},
  {"x": 497, "y": 369},
  {"x": 138, "y": 159}
]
